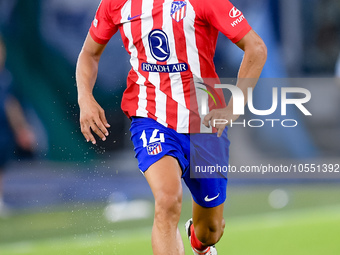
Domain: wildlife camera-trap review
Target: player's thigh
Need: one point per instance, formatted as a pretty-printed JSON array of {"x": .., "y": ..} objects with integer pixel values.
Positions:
[{"x": 164, "y": 178}]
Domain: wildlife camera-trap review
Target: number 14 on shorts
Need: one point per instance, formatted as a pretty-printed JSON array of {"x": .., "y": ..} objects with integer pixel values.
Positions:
[{"x": 154, "y": 146}]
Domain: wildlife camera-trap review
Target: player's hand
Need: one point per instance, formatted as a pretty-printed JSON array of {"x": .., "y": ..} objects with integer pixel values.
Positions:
[
  {"x": 92, "y": 117},
  {"x": 224, "y": 116},
  {"x": 26, "y": 139}
]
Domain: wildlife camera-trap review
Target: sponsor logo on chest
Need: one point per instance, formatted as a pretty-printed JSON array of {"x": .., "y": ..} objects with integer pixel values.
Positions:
[{"x": 160, "y": 50}]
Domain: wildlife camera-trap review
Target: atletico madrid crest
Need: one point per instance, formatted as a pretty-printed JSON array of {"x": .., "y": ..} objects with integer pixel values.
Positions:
[
  {"x": 154, "y": 148},
  {"x": 178, "y": 10}
]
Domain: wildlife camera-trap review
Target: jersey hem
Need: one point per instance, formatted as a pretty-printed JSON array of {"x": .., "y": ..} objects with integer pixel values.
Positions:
[
  {"x": 240, "y": 35},
  {"x": 97, "y": 39}
]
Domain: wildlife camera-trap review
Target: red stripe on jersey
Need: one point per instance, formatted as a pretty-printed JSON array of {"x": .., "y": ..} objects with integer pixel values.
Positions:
[
  {"x": 132, "y": 89},
  {"x": 207, "y": 66},
  {"x": 124, "y": 39},
  {"x": 206, "y": 56},
  {"x": 129, "y": 102},
  {"x": 181, "y": 52},
  {"x": 194, "y": 119},
  {"x": 171, "y": 111},
  {"x": 136, "y": 32},
  {"x": 171, "y": 104}
]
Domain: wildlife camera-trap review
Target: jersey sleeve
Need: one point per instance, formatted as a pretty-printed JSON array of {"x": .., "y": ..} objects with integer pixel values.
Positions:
[
  {"x": 102, "y": 27},
  {"x": 226, "y": 18}
]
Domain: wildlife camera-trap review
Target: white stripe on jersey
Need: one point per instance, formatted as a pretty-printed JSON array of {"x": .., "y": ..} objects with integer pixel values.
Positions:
[
  {"x": 141, "y": 110},
  {"x": 154, "y": 78}
]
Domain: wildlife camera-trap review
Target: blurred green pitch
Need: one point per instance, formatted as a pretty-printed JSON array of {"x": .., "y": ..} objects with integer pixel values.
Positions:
[{"x": 309, "y": 225}]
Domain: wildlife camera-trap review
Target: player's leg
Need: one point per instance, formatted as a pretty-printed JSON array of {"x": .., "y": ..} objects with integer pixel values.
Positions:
[
  {"x": 208, "y": 224},
  {"x": 208, "y": 190},
  {"x": 161, "y": 158},
  {"x": 164, "y": 178}
]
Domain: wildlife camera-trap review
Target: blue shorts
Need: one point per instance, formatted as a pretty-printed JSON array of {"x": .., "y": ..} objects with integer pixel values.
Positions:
[{"x": 195, "y": 154}]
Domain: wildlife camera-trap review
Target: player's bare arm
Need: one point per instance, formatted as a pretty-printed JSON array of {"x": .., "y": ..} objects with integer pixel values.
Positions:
[
  {"x": 92, "y": 115},
  {"x": 23, "y": 133},
  {"x": 255, "y": 55}
]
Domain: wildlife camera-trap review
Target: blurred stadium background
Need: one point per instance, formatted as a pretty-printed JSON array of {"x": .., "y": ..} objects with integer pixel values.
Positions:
[{"x": 70, "y": 197}]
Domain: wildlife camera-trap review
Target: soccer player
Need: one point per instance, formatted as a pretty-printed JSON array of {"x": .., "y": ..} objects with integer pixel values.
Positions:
[
  {"x": 172, "y": 45},
  {"x": 13, "y": 125}
]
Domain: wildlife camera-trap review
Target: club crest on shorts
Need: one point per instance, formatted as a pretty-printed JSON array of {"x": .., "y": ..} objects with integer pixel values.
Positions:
[
  {"x": 154, "y": 148},
  {"x": 178, "y": 10}
]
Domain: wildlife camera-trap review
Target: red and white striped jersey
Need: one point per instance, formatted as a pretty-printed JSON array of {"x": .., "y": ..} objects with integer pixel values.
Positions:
[{"x": 171, "y": 43}]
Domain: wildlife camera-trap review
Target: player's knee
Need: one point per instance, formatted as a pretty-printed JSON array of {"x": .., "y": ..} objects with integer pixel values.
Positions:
[
  {"x": 210, "y": 233},
  {"x": 168, "y": 206}
]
